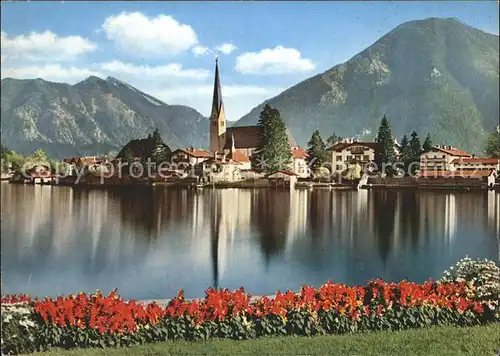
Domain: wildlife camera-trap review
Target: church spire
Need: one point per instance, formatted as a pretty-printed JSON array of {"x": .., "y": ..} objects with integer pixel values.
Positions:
[
  {"x": 217, "y": 99},
  {"x": 217, "y": 116}
]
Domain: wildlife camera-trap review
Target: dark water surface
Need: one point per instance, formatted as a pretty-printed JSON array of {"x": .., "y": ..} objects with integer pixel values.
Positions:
[{"x": 151, "y": 242}]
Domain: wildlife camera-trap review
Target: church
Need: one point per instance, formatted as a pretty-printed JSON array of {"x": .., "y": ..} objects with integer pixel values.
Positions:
[{"x": 233, "y": 141}]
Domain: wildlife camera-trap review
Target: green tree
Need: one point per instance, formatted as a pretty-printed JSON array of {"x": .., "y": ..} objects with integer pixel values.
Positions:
[
  {"x": 128, "y": 155},
  {"x": 38, "y": 156},
  {"x": 274, "y": 151},
  {"x": 385, "y": 154},
  {"x": 157, "y": 137},
  {"x": 416, "y": 151},
  {"x": 353, "y": 171},
  {"x": 405, "y": 153},
  {"x": 333, "y": 139},
  {"x": 427, "y": 143},
  {"x": 317, "y": 153},
  {"x": 493, "y": 143}
]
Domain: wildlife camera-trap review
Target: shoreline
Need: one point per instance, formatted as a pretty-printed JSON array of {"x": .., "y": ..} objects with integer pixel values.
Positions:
[{"x": 260, "y": 184}]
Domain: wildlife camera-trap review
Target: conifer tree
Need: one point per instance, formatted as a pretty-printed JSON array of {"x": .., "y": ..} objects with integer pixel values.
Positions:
[
  {"x": 385, "y": 154},
  {"x": 274, "y": 151},
  {"x": 416, "y": 151},
  {"x": 333, "y": 139},
  {"x": 427, "y": 143},
  {"x": 157, "y": 137},
  {"x": 493, "y": 143},
  {"x": 317, "y": 153},
  {"x": 405, "y": 155}
]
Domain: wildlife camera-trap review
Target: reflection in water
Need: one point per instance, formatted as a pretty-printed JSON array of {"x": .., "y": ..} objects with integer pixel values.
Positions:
[{"x": 150, "y": 242}]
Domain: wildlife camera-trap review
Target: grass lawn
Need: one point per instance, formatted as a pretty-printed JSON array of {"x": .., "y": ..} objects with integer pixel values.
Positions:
[{"x": 484, "y": 340}]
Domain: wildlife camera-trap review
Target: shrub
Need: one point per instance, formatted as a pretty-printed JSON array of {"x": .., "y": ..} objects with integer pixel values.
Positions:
[{"x": 483, "y": 277}]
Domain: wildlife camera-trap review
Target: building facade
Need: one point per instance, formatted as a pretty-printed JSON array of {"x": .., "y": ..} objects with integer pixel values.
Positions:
[
  {"x": 344, "y": 152},
  {"x": 441, "y": 158},
  {"x": 299, "y": 164},
  {"x": 471, "y": 164}
]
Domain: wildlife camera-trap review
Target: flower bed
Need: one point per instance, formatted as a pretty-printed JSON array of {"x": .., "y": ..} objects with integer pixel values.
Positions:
[{"x": 106, "y": 321}]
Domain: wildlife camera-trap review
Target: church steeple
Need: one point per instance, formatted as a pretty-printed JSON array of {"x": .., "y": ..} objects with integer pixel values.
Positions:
[
  {"x": 217, "y": 98},
  {"x": 218, "y": 115}
]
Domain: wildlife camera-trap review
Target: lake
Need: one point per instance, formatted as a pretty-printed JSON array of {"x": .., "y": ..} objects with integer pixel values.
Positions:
[{"x": 151, "y": 241}]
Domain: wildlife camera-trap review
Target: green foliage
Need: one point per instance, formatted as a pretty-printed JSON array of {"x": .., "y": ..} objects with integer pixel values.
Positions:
[
  {"x": 10, "y": 159},
  {"x": 493, "y": 143},
  {"x": 333, "y": 139},
  {"x": 18, "y": 329},
  {"x": 385, "y": 154},
  {"x": 128, "y": 156},
  {"x": 484, "y": 275},
  {"x": 427, "y": 143},
  {"x": 157, "y": 137},
  {"x": 416, "y": 151},
  {"x": 353, "y": 171},
  {"x": 274, "y": 151},
  {"x": 317, "y": 153}
]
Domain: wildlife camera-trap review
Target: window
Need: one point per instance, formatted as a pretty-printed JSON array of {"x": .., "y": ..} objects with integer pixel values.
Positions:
[
  {"x": 339, "y": 158},
  {"x": 443, "y": 156},
  {"x": 366, "y": 158},
  {"x": 222, "y": 123},
  {"x": 339, "y": 167}
]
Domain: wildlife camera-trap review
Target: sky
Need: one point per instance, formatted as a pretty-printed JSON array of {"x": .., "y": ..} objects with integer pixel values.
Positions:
[{"x": 168, "y": 49}]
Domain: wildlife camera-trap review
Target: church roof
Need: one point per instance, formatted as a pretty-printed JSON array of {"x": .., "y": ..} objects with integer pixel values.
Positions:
[
  {"x": 249, "y": 137},
  {"x": 217, "y": 98}
]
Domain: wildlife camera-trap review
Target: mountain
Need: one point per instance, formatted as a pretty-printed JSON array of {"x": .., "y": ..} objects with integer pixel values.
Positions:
[
  {"x": 436, "y": 76},
  {"x": 92, "y": 116}
]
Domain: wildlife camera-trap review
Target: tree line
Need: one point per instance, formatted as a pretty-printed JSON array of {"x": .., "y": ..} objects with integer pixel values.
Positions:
[{"x": 274, "y": 152}]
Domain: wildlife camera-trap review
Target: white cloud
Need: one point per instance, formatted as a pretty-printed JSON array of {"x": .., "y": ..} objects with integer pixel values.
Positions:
[
  {"x": 44, "y": 46},
  {"x": 50, "y": 72},
  {"x": 238, "y": 99},
  {"x": 144, "y": 35},
  {"x": 199, "y": 50},
  {"x": 168, "y": 70},
  {"x": 226, "y": 48},
  {"x": 278, "y": 60}
]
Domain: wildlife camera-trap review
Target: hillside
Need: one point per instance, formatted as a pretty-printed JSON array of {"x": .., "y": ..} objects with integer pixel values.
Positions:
[
  {"x": 435, "y": 75},
  {"x": 92, "y": 116}
]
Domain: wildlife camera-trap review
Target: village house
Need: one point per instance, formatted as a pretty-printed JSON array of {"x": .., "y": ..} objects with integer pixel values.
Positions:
[
  {"x": 471, "y": 176},
  {"x": 441, "y": 158},
  {"x": 344, "y": 152},
  {"x": 283, "y": 178},
  {"x": 475, "y": 163},
  {"x": 38, "y": 174},
  {"x": 299, "y": 164},
  {"x": 185, "y": 159},
  {"x": 216, "y": 170}
]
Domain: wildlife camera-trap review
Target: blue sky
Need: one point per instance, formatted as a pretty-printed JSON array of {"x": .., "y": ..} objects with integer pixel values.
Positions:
[{"x": 167, "y": 49}]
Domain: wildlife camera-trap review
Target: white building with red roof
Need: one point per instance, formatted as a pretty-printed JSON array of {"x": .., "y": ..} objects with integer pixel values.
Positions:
[
  {"x": 475, "y": 163},
  {"x": 299, "y": 164},
  {"x": 440, "y": 158}
]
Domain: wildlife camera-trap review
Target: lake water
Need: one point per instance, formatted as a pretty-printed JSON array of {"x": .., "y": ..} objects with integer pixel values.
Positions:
[{"x": 150, "y": 242}]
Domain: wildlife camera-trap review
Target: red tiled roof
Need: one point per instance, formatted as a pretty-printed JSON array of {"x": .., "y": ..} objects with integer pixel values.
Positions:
[
  {"x": 299, "y": 153},
  {"x": 339, "y": 146},
  {"x": 288, "y": 173},
  {"x": 453, "y": 151},
  {"x": 477, "y": 160},
  {"x": 238, "y": 156},
  {"x": 464, "y": 174},
  {"x": 196, "y": 152},
  {"x": 249, "y": 137}
]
